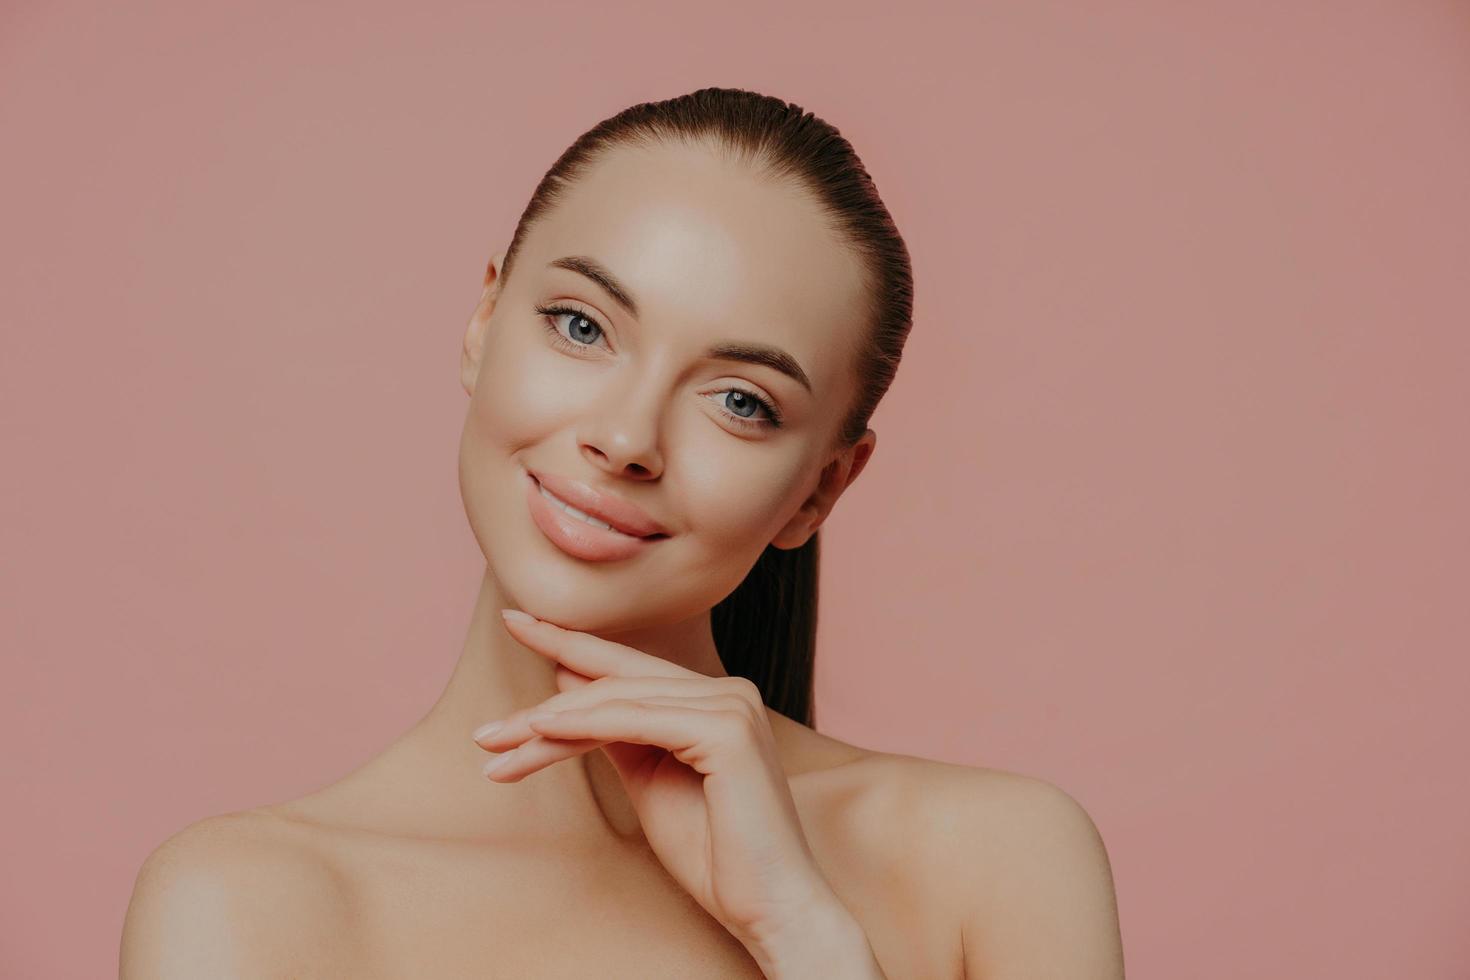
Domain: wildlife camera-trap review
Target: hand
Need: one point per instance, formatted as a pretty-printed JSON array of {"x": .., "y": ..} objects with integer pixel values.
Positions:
[{"x": 698, "y": 760}]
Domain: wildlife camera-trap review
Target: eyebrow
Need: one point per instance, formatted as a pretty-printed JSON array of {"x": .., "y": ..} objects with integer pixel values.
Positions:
[{"x": 749, "y": 353}]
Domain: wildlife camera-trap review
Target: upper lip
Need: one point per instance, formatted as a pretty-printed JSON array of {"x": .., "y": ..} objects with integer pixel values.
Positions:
[{"x": 624, "y": 515}]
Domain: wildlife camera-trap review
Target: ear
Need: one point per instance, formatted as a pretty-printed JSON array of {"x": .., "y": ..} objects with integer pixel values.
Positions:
[
  {"x": 474, "y": 335},
  {"x": 836, "y": 477}
]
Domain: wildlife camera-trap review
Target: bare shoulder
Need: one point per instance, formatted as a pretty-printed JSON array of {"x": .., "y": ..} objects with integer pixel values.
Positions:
[
  {"x": 953, "y": 801},
  {"x": 1017, "y": 859},
  {"x": 947, "y": 803},
  {"x": 229, "y": 895}
]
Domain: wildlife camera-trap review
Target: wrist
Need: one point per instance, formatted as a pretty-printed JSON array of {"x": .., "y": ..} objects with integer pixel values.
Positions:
[{"x": 824, "y": 940}]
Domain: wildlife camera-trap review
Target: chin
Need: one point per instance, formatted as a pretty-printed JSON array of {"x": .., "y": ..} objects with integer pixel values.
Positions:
[{"x": 603, "y": 601}]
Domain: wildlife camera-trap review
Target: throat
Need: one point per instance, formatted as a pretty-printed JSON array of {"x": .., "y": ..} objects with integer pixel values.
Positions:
[{"x": 611, "y": 798}]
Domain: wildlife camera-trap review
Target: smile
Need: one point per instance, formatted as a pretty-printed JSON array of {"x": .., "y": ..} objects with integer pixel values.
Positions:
[
  {"x": 571, "y": 511},
  {"x": 581, "y": 535}
]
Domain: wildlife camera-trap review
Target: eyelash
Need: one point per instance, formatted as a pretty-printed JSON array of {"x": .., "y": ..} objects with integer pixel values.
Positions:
[{"x": 550, "y": 313}]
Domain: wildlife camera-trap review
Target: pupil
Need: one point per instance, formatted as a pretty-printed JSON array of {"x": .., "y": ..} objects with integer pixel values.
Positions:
[
  {"x": 586, "y": 325},
  {"x": 740, "y": 398}
]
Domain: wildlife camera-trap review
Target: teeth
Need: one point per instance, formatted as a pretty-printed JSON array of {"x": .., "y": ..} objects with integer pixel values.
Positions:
[{"x": 579, "y": 515}]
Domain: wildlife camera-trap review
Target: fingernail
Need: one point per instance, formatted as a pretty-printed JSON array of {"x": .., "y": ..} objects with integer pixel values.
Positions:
[
  {"x": 496, "y": 762},
  {"x": 517, "y": 615},
  {"x": 486, "y": 730}
]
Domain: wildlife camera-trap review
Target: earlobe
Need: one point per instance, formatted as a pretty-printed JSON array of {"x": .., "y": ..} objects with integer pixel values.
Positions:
[
  {"x": 836, "y": 477},
  {"x": 811, "y": 513},
  {"x": 796, "y": 532},
  {"x": 474, "y": 336},
  {"x": 474, "y": 340},
  {"x": 469, "y": 361}
]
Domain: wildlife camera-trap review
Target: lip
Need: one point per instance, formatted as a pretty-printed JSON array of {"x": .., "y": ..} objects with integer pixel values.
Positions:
[
  {"x": 580, "y": 539},
  {"x": 624, "y": 515}
]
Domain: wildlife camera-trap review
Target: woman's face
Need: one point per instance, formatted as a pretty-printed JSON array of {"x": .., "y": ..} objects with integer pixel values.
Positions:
[{"x": 629, "y": 402}]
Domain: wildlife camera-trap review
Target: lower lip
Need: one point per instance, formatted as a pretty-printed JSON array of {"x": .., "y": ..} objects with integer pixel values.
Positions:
[{"x": 576, "y": 537}]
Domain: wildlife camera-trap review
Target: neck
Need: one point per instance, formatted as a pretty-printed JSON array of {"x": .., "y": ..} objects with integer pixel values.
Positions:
[
  {"x": 427, "y": 784},
  {"x": 436, "y": 766},
  {"x": 496, "y": 674}
]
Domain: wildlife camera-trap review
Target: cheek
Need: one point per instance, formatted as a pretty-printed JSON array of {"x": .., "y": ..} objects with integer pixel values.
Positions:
[
  {"x": 511, "y": 408},
  {"x": 737, "y": 500},
  {"x": 732, "y": 504},
  {"x": 521, "y": 393}
]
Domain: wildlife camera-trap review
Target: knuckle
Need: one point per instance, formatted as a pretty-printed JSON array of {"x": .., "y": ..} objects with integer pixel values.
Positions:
[{"x": 745, "y": 687}]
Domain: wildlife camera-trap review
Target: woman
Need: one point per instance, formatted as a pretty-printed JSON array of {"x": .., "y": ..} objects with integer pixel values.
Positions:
[{"x": 670, "y": 372}]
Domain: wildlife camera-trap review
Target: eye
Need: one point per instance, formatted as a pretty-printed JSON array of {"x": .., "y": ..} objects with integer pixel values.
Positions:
[
  {"x": 582, "y": 330},
  {"x": 736, "y": 402}
]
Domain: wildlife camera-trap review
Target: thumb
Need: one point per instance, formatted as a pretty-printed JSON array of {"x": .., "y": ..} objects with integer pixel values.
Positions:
[{"x": 569, "y": 680}]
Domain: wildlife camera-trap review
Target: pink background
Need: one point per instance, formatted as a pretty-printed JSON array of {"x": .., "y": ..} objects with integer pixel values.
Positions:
[{"x": 1168, "y": 506}]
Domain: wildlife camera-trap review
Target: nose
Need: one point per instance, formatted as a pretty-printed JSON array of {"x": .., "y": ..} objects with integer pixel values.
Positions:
[{"x": 622, "y": 433}]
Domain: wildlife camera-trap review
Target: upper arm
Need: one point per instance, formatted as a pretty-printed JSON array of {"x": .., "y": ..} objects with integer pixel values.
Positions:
[
  {"x": 219, "y": 898},
  {"x": 1030, "y": 880}
]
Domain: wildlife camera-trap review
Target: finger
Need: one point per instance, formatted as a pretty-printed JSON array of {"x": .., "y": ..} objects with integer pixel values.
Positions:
[
  {"x": 591, "y": 655},
  {"x": 537, "y": 753},
  {"x": 514, "y": 728},
  {"x": 700, "y": 732},
  {"x": 568, "y": 679}
]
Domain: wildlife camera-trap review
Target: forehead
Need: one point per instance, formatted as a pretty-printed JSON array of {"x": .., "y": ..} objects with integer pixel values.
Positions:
[{"x": 713, "y": 248}]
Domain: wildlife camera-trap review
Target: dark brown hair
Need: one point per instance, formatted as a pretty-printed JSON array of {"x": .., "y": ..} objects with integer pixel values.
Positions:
[{"x": 766, "y": 629}]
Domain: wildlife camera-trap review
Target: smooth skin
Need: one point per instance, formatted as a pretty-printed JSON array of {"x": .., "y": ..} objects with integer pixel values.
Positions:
[
  {"x": 697, "y": 758},
  {"x": 419, "y": 864}
]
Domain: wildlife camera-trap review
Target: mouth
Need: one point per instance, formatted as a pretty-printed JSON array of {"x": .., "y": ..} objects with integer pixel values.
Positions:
[
  {"x": 605, "y": 528},
  {"x": 590, "y": 519}
]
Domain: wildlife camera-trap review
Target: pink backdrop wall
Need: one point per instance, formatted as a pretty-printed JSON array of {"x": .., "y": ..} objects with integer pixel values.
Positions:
[{"x": 1168, "y": 505}]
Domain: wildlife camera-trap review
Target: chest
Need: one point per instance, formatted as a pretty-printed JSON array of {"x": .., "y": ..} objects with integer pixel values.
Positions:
[{"x": 545, "y": 913}]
